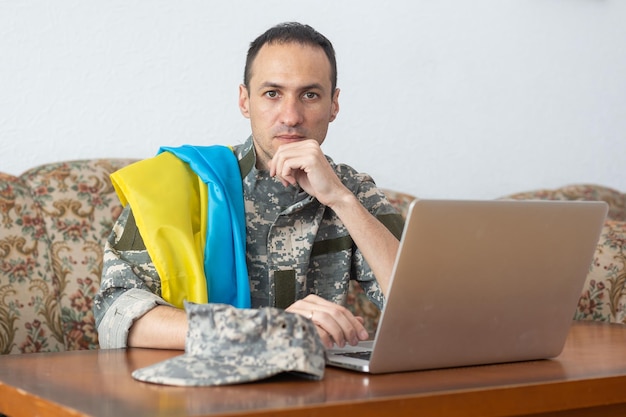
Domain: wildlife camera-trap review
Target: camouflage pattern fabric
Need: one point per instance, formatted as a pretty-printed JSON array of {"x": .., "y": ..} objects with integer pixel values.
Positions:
[
  {"x": 295, "y": 246},
  {"x": 226, "y": 345},
  {"x": 294, "y": 241}
]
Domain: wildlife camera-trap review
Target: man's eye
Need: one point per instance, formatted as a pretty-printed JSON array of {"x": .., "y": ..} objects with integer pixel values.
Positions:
[
  {"x": 271, "y": 94},
  {"x": 310, "y": 95}
]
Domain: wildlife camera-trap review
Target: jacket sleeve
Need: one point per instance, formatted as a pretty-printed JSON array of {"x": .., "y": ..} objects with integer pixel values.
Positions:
[{"x": 130, "y": 285}]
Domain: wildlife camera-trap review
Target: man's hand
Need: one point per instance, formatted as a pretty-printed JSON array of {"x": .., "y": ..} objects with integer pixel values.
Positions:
[
  {"x": 303, "y": 163},
  {"x": 335, "y": 324}
]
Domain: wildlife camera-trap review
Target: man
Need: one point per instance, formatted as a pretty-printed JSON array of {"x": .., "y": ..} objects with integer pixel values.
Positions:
[{"x": 311, "y": 225}]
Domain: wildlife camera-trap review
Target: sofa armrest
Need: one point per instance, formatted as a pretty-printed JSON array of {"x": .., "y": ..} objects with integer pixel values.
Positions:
[{"x": 604, "y": 294}]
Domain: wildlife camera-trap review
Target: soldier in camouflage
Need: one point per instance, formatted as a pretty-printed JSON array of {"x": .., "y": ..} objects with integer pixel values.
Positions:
[{"x": 311, "y": 224}]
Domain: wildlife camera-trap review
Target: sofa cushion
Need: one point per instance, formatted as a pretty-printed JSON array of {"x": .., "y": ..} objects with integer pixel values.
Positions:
[{"x": 29, "y": 308}]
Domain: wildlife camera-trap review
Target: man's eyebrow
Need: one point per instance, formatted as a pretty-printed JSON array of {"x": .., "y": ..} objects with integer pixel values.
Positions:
[
  {"x": 314, "y": 86},
  {"x": 270, "y": 84}
]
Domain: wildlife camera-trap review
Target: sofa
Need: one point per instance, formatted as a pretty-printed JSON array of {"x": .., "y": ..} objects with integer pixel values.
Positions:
[
  {"x": 56, "y": 217},
  {"x": 603, "y": 297}
]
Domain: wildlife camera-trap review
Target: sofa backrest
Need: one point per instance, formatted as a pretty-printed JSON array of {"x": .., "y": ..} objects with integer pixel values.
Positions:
[
  {"x": 55, "y": 220},
  {"x": 29, "y": 308},
  {"x": 585, "y": 192},
  {"x": 603, "y": 297}
]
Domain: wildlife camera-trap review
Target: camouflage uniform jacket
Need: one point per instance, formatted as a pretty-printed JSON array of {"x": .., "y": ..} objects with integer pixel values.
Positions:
[{"x": 295, "y": 246}]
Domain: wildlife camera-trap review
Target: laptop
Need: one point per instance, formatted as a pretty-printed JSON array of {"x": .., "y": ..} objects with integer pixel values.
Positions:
[{"x": 481, "y": 282}]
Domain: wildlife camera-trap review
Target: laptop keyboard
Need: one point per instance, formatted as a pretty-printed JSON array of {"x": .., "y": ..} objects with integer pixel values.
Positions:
[{"x": 363, "y": 354}]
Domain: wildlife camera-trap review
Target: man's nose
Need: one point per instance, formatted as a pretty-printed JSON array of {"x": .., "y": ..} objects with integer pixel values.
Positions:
[{"x": 291, "y": 111}]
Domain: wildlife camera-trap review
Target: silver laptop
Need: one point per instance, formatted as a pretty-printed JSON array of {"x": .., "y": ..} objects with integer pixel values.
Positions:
[{"x": 481, "y": 282}]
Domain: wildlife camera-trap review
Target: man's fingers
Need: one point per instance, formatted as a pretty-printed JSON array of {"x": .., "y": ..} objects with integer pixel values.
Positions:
[
  {"x": 338, "y": 323},
  {"x": 351, "y": 327},
  {"x": 298, "y": 159},
  {"x": 339, "y": 329},
  {"x": 327, "y": 340},
  {"x": 287, "y": 167}
]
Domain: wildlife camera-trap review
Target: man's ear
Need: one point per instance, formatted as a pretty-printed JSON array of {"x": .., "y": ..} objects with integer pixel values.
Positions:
[
  {"x": 244, "y": 101},
  {"x": 335, "y": 105}
]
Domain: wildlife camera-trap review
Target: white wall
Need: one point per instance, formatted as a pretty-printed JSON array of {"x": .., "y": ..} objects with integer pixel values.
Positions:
[{"x": 446, "y": 98}]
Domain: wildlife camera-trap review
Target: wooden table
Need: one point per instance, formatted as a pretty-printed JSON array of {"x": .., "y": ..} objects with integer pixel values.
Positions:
[{"x": 588, "y": 378}]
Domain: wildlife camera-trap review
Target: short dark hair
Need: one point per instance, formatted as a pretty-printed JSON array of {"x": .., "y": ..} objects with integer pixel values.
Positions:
[{"x": 287, "y": 33}]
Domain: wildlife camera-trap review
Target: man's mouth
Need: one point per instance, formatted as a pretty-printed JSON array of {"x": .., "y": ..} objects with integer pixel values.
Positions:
[{"x": 289, "y": 138}]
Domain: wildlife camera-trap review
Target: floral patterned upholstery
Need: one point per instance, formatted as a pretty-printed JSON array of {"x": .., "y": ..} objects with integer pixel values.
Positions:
[
  {"x": 55, "y": 219},
  {"x": 604, "y": 293},
  {"x": 585, "y": 192}
]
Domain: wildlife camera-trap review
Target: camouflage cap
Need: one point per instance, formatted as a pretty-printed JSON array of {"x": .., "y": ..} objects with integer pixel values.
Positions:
[{"x": 227, "y": 345}]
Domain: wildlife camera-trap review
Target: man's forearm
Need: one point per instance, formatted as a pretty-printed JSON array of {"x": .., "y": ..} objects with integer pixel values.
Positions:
[
  {"x": 163, "y": 327},
  {"x": 377, "y": 244}
]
